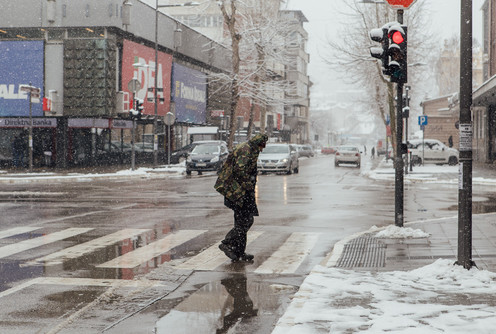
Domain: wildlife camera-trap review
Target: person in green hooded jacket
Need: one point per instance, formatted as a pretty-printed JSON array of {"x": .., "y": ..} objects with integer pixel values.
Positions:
[{"x": 236, "y": 182}]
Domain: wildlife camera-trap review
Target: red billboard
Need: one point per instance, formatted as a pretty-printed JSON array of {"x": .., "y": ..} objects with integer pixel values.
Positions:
[{"x": 138, "y": 61}]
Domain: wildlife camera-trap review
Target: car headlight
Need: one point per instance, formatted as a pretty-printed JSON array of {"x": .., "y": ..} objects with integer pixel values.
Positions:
[
  {"x": 284, "y": 160},
  {"x": 215, "y": 159}
]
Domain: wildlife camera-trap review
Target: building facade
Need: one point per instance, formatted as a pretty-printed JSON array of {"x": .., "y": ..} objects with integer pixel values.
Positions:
[
  {"x": 287, "y": 120},
  {"x": 85, "y": 57}
]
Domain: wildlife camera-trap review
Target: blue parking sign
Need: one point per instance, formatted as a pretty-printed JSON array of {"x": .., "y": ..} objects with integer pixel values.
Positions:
[{"x": 422, "y": 120}]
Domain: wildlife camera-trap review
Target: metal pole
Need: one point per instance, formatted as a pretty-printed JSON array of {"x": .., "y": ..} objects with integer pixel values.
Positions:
[
  {"x": 465, "y": 179},
  {"x": 133, "y": 150},
  {"x": 407, "y": 105},
  {"x": 30, "y": 139},
  {"x": 168, "y": 144},
  {"x": 155, "y": 125},
  {"x": 398, "y": 163}
]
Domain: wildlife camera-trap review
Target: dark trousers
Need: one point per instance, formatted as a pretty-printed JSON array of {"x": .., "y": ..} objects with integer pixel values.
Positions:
[{"x": 236, "y": 238}]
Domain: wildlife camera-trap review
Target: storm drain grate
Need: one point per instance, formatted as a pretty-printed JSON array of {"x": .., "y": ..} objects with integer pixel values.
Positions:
[{"x": 365, "y": 252}]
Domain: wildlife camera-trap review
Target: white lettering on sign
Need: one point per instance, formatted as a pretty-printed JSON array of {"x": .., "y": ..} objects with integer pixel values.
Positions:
[
  {"x": 146, "y": 75},
  {"x": 191, "y": 93},
  {"x": 466, "y": 137},
  {"x": 9, "y": 92},
  {"x": 24, "y": 122}
]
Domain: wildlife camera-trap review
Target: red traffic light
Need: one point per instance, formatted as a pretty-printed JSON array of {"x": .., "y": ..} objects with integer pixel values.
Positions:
[{"x": 397, "y": 37}]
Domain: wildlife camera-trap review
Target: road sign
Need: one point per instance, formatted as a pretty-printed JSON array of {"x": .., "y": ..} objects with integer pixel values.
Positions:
[
  {"x": 169, "y": 119},
  {"x": 400, "y": 4},
  {"x": 422, "y": 120},
  {"x": 134, "y": 85}
]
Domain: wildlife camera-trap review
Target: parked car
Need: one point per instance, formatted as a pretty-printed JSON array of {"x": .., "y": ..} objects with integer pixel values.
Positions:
[
  {"x": 432, "y": 151},
  {"x": 207, "y": 157},
  {"x": 278, "y": 158},
  {"x": 328, "y": 150},
  {"x": 347, "y": 154},
  {"x": 305, "y": 151},
  {"x": 182, "y": 153}
]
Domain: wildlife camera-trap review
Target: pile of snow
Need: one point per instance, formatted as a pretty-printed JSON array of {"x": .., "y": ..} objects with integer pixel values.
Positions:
[
  {"x": 438, "y": 298},
  {"x": 395, "y": 232}
]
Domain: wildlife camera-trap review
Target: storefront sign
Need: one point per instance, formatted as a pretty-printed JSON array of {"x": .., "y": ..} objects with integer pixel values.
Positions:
[
  {"x": 24, "y": 122},
  {"x": 138, "y": 62},
  {"x": 22, "y": 62},
  {"x": 189, "y": 93},
  {"x": 89, "y": 123},
  {"x": 121, "y": 124}
]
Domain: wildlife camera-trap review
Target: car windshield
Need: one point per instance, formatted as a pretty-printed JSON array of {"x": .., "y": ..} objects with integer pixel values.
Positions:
[
  {"x": 275, "y": 149},
  {"x": 348, "y": 148},
  {"x": 206, "y": 149}
]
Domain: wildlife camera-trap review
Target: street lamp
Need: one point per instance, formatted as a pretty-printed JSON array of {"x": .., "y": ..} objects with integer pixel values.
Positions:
[{"x": 155, "y": 120}]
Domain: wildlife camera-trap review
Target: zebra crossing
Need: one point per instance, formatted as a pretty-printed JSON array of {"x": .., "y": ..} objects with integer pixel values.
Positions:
[{"x": 286, "y": 259}]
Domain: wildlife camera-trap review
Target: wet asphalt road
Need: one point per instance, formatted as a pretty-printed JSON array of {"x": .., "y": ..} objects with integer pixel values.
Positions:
[{"x": 129, "y": 256}]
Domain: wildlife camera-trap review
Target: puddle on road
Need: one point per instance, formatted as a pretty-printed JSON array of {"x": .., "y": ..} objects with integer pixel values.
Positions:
[
  {"x": 219, "y": 307},
  {"x": 479, "y": 205}
]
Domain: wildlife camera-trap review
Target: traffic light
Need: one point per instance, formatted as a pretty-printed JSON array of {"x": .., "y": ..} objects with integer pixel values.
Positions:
[
  {"x": 137, "y": 110},
  {"x": 381, "y": 35},
  {"x": 139, "y": 107},
  {"x": 397, "y": 53}
]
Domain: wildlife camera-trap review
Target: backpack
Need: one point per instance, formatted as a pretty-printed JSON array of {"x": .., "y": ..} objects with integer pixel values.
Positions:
[{"x": 226, "y": 183}]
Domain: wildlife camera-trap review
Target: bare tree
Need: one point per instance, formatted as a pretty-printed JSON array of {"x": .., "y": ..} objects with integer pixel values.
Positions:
[
  {"x": 351, "y": 56},
  {"x": 258, "y": 40}
]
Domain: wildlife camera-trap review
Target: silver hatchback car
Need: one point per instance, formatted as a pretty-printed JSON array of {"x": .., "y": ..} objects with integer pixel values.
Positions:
[{"x": 277, "y": 158}]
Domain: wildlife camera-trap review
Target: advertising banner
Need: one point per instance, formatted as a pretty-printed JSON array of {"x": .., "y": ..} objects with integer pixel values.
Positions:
[
  {"x": 134, "y": 53},
  {"x": 189, "y": 93},
  {"x": 21, "y": 63}
]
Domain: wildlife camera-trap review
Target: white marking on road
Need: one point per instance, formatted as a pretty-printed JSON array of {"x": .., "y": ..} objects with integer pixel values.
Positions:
[
  {"x": 150, "y": 251},
  {"x": 81, "y": 282},
  {"x": 17, "y": 230},
  {"x": 40, "y": 241},
  {"x": 290, "y": 255},
  {"x": 212, "y": 257},
  {"x": 87, "y": 247}
]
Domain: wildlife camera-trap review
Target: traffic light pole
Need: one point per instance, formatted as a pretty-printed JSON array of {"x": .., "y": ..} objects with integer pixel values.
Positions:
[
  {"x": 398, "y": 161},
  {"x": 465, "y": 179}
]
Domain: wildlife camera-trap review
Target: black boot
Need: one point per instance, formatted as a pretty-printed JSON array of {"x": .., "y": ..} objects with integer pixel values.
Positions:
[{"x": 228, "y": 251}]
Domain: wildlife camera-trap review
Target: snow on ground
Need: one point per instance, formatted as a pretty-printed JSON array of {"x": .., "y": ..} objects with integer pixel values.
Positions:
[
  {"x": 395, "y": 232},
  {"x": 418, "y": 301}
]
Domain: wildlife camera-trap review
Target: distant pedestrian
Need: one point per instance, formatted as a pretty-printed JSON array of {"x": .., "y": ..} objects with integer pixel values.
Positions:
[
  {"x": 450, "y": 141},
  {"x": 373, "y": 152},
  {"x": 236, "y": 182}
]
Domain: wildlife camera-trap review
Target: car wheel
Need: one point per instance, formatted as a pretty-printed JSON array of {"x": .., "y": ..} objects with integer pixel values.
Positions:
[{"x": 452, "y": 161}]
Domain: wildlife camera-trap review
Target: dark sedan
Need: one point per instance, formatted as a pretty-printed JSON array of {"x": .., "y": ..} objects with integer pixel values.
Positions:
[{"x": 206, "y": 157}]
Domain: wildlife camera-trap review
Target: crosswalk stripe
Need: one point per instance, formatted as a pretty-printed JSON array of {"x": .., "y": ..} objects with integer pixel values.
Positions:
[
  {"x": 150, "y": 251},
  {"x": 17, "y": 230},
  {"x": 87, "y": 247},
  {"x": 212, "y": 257},
  {"x": 290, "y": 255},
  {"x": 40, "y": 241}
]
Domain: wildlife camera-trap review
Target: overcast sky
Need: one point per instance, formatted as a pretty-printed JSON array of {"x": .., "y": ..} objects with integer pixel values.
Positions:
[{"x": 324, "y": 21}]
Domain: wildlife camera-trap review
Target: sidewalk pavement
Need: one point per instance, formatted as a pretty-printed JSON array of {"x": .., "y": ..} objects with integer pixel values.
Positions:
[{"x": 402, "y": 280}]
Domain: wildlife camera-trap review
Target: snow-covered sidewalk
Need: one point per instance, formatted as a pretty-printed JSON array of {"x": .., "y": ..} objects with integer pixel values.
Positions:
[
  {"x": 417, "y": 291},
  {"x": 437, "y": 298}
]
